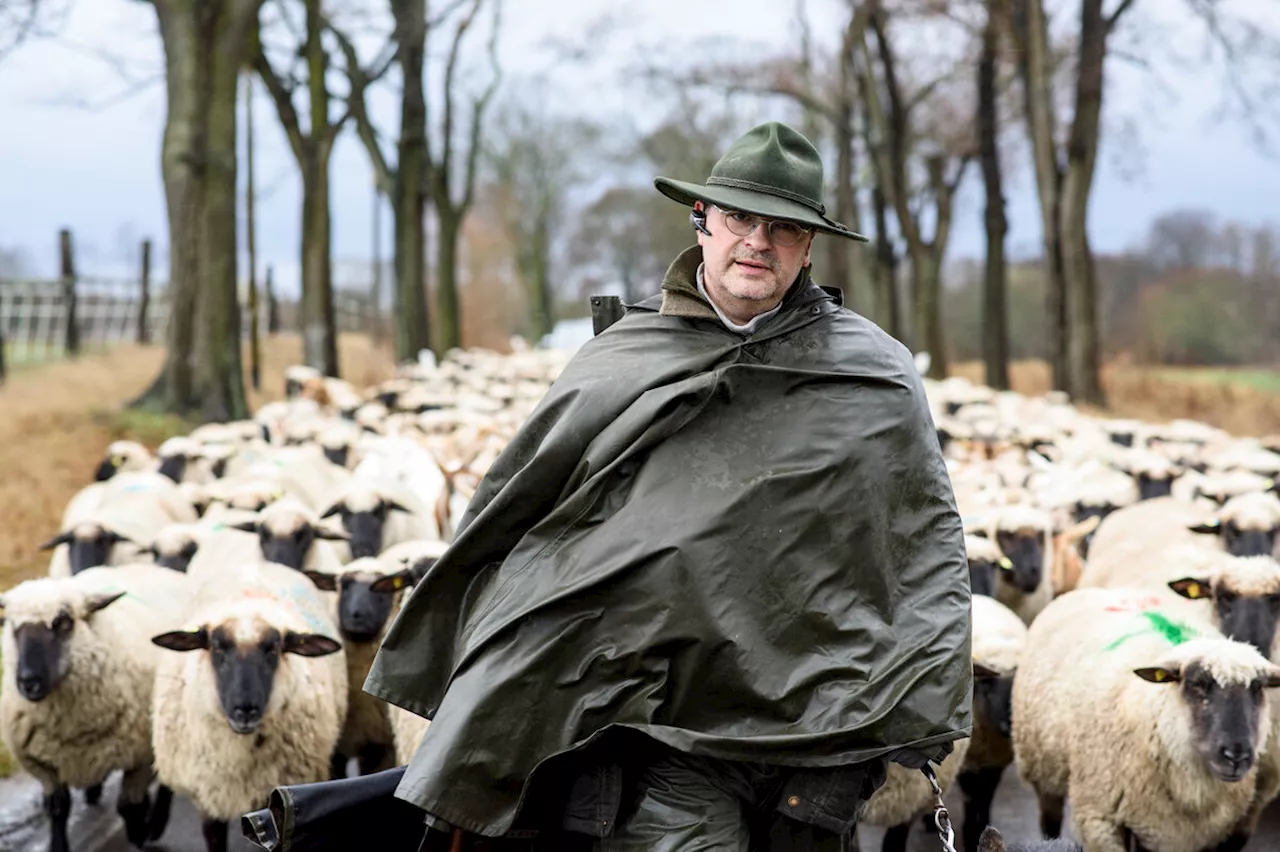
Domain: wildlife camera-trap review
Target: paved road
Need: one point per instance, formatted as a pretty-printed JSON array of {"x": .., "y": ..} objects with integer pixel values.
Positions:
[{"x": 98, "y": 829}]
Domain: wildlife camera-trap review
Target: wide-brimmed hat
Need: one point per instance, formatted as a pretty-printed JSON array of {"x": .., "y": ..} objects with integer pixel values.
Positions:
[{"x": 771, "y": 171}]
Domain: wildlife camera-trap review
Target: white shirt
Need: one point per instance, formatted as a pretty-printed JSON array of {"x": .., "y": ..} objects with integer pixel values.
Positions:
[{"x": 749, "y": 327}]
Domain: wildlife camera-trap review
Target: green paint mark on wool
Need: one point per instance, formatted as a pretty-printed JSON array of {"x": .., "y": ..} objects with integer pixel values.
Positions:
[{"x": 1174, "y": 632}]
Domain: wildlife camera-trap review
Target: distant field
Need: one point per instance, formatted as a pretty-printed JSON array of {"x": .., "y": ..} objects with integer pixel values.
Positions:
[{"x": 1266, "y": 381}]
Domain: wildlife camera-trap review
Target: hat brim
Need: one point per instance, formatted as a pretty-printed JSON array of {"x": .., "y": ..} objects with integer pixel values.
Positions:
[{"x": 747, "y": 201}]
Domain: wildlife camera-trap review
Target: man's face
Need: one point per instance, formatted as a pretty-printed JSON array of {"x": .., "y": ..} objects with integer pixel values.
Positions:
[{"x": 747, "y": 276}]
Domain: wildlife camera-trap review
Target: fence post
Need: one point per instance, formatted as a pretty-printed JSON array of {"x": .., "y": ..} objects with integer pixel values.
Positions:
[
  {"x": 72, "y": 339},
  {"x": 144, "y": 333},
  {"x": 273, "y": 307}
]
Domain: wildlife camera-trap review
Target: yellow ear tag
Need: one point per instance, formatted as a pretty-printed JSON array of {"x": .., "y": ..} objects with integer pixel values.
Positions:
[
  {"x": 116, "y": 461},
  {"x": 1194, "y": 591},
  {"x": 1160, "y": 675},
  {"x": 1006, "y": 563},
  {"x": 399, "y": 583},
  {"x": 279, "y": 495}
]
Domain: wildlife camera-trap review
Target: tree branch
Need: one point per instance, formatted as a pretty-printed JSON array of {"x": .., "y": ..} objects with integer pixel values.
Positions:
[
  {"x": 443, "y": 170},
  {"x": 283, "y": 98},
  {"x": 444, "y": 15},
  {"x": 482, "y": 103},
  {"x": 356, "y": 107},
  {"x": 1115, "y": 16}
]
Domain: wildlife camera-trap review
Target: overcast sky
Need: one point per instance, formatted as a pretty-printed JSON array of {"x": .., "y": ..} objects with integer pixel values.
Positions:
[{"x": 95, "y": 168}]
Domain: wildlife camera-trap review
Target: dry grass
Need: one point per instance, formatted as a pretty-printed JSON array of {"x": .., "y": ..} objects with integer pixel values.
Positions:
[
  {"x": 1240, "y": 401},
  {"x": 56, "y": 420}
]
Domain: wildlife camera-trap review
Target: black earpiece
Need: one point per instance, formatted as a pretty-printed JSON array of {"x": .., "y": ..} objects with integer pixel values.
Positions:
[{"x": 698, "y": 219}]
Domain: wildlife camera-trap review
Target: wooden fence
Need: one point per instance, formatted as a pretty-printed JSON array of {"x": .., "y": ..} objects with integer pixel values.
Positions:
[{"x": 46, "y": 320}]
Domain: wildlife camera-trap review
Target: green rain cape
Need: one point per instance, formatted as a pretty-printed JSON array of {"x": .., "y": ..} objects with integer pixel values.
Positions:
[{"x": 747, "y": 548}]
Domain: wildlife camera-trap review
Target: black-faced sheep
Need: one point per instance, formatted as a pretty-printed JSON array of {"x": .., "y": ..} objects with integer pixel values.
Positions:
[
  {"x": 379, "y": 515},
  {"x": 254, "y": 696},
  {"x": 78, "y": 677},
  {"x": 1152, "y": 727}
]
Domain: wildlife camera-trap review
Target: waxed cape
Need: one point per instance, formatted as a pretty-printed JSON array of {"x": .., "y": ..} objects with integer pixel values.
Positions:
[{"x": 747, "y": 548}]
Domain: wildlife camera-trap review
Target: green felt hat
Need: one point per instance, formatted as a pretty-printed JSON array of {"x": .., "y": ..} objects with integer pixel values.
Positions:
[{"x": 771, "y": 171}]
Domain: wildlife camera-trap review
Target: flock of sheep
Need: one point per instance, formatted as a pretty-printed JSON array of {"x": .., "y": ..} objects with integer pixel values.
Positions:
[{"x": 213, "y": 607}]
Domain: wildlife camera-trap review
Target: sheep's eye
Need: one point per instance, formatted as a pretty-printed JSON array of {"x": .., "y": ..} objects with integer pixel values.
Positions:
[
  {"x": 300, "y": 534},
  {"x": 270, "y": 646},
  {"x": 62, "y": 623},
  {"x": 220, "y": 646},
  {"x": 1225, "y": 596}
]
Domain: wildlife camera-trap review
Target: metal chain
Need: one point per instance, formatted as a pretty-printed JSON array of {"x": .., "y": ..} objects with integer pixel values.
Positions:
[{"x": 941, "y": 818}]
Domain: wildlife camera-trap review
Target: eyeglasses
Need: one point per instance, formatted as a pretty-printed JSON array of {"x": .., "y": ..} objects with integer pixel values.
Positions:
[{"x": 781, "y": 233}]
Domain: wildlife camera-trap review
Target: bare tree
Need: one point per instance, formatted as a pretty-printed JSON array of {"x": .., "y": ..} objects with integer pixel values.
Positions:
[
  {"x": 943, "y": 162},
  {"x": 22, "y": 20},
  {"x": 536, "y": 159},
  {"x": 206, "y": 42},
  {"x": 995, "y": 326},
  {"x": 446, "y": 177},
  {"x": 405, "y": 183},
  {"x": 312, "y": 147}
]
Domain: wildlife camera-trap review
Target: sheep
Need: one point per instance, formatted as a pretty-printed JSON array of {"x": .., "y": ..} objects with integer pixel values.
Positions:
[
  {"x": 992, "y": 841},
  {"x": 1150, "y": 726},
  {"x": 180, "y": 459},
  {"x": 379, "y": 515},
  {"x": 292, "y": 534},
  {"x": 252, "y": 709},
  {"x": 296, "y": 376},
  {"x": 116, "y": 522},
  {"x": 985, "y": 563},
  {"x": 998, "y": 639},
  {"x": 124, "y": 456},
  {"x": 173, "y": 546},
  {"x": 1023, "y": 534},
  {"x": 1068, "y": 562},
  {"x": 78, "y": 675},
  {"x": 1245, "y": 526},
  {"x": 906, "y": 794},
  {"x": 368, "y": 591}
]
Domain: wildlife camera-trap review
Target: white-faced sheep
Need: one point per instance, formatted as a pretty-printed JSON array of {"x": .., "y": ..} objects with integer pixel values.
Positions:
[
  {"x": 999, "y": 637},
  {"x": 368, "y": 593},
  {"x": 78, "y": 675},
  {"x": 245, "y": 705},
  {"x": 1151, "y": 727}
]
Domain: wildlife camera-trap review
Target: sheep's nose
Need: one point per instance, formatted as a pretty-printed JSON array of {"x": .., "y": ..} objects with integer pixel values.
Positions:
[
  {"x": 244, "y": 718},
  {"x": 32, "y": 687},
  {"x": 1236, "y": 754}
]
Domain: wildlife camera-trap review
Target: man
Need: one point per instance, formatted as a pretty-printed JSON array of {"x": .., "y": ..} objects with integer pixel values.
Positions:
[{"x": 716, "y": 580}]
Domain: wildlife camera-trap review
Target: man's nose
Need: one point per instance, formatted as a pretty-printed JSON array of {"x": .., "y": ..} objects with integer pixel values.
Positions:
[{"x": 759, "y": 237}]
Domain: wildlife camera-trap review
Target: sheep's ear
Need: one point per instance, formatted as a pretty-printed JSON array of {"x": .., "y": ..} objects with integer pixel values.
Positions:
[
  {"x": 60, "y": 538},
  {"x": 421, "y": 567},
  {"x": 393, "y": 582},
  {"x": 183, "y": 640},
  {"x": 1207, "y": 528},
  {"x": 991, "y": 840},
  {"x": 1084, "y": 528},
  {"x": 310, "y": 644},
  {"x": 323, "y": 580},
  {"x": 395, "y": 506},
  {"x": 335, "y": 509},
  {"x": 149, "y": 550},
  {"x": 1191, "y": 588},
  {"x": 1271, "y": 682},
  {"x": 250, "y": 526},
  {"x": 101, "y": 600},
  {"x": 331, "y": 534},
  {"x": 1159, "y": 674},
  {"x": 981, "y": 672}
]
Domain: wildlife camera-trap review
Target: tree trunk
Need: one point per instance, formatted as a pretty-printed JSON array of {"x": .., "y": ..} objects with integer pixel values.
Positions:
[
  {"x": 926, "y": 281},
  {"x": 995, "y": 327},
  {"x": 539, "y": 276},
  {"x": 1031, "y": 28},
  {"x": 448, "y": 328},
  {"x": 319, "y": 340},
  {"x": 1082, "y": 153},
  {"x": 205, "y": 45},
  {"x": 886, "y": 268},
  {"x": 413, "y": 328}
]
